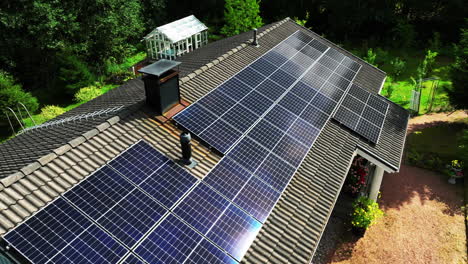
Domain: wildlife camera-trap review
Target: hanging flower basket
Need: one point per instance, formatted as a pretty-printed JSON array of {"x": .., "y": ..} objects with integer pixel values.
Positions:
[{"x": 357, "y": 177}]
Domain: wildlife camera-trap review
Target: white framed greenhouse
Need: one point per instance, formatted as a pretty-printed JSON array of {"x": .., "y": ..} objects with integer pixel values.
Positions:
[{"x": 176, "y": 38}]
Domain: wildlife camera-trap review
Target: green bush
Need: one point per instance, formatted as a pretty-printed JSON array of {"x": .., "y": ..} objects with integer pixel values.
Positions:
[
  {"x": 11, "y": 94},
  {"x": 398, "y": 66},
  {"x": 241, "y": 16},
  {"x": 51, "y": 111},
  {"x": 88, "y": 93},
  {"x": 365, "y": 212},
  {"x": 73, "y": 73},
  {"x": 370, "y": 57}
]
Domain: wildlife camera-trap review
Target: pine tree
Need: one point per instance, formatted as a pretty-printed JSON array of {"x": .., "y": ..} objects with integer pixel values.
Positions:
[{"x": 241, "y": 16}]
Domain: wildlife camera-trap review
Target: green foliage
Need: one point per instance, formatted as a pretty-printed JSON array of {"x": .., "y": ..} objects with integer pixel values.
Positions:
[
  {"x": 51, "y": 111},
  {"x": 304, "y": 21},
  {"x": 73, "y": 73},
  {"x": 459, "y": 73},
  {"x": 366, "y": 212},
  {"x": 463, "y": 148},
  {"x": 11, "y": 94},
  {"x": 87, "y": 93},
  {"x": 370, "y": 57},
  {"x": 426, "y": 66},
  {"x": 241, "y": 16},
  {"x": 389, "y": 87},
  {"x": 434, "y": 42},
  {"x": 398, "y": 66},
  {"x": 404, "y": 34}
]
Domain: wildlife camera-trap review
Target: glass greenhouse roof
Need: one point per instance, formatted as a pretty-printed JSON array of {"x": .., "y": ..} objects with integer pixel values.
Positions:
[{"x": 180, "y": 29}]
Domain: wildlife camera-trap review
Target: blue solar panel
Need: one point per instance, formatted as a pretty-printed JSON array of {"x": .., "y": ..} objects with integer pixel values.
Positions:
[
  {"x": 304, "y": 91},
  {"x": 270, "y": 89},
  {"x": 132, "y": 259},
  {"x": 275, "y": 172},
  {"x": 373, "y": 116},
  {"x": 282, "y": 78},
  {"x": 334, "y": 54},
  {"x": 311, "y": 52},
  {"x": 313, "y": 80},
  {"x": 323, "y": 103},
  {"x": 302, "y": 36},
  {"x": 221, "y": 135},
  {"x": 318, "y": 45},
  {"x": 291, "y": 150},
  {"x": 275, "y": 58},
  {"x": 235, "y": 88},
  {"x": 46, "y": 233},
  {"x": 331, "y": 91},
  {"x": 295, "y": 43},
  {"x": 280, "y": 117},
  {"x": 171, "y": 241},
  {"x": 91, "y": 246},
  {"x": 240, "y": 117},
  {"x": 353, "y": 104},
  {"x": 347, "y": 117},
  {"x": 345, "y": 72},
  {"x": 321, "y": 71},
  {"x": 256, "y": 103},
  {"x": 368, "y": 130},
  {"x": 139, "y": 161},
  {"x": 217, "y": 102},
  {"x": 168, "y": 184},
  {"x": 201, "y": 208},
  {"x": 250, "y": 77},
  {"x": 378, "y": 104},
  {"x": 314, "y": 116},
  {"x": 351, "y": 64},
  {"x": 234, "y": 232},
  {"x": 99, "y": 192},
  {"x": 257, "y": 198},
  {"x": 132, "y": 217},
  {"x": 338, "y": 81},
  {"x": 248, "y": 154},
  {"x": 227, "y": 177},
  {"x": 293, "y": 69},
  {"x": 264, "y": 67},
  {"x": 293, "y": 103},
  {"x": 359, "y": 93},
  {"x": 266, "y": 134},
  {"x": 206, "y": 252},
  {"x": 303, "y": 132},
  {"x": 195, "y": 118},
  {"x": 328, "y": 62}
]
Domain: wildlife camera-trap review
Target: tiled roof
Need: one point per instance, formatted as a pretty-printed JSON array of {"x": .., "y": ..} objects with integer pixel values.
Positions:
[{"x": 292, "y": 231}]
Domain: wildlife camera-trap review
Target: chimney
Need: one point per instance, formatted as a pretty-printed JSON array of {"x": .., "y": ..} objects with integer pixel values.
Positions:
[
  {"x": 161, "y": 85},
  {"x": 186, "y": 146},
  {"x": 254, "y": 42}
]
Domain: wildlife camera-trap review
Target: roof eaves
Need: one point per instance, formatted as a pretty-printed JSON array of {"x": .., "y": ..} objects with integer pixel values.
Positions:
[{"x": 42, "y": 161}]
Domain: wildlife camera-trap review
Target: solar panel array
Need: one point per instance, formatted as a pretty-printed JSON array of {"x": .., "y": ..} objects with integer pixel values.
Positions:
[
  {"x": 122, "y": 214},
  {"x": 363, "y": 112},
  {"x": 142, "y": 207},
  {"x": 227, "y": 113}
]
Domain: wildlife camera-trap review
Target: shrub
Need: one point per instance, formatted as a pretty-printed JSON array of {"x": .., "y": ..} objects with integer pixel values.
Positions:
[
  {"x": 11, "y": 94},
  {"x": 73, "y": 73},
  {"x": 371, "y": 57},
  {"x": 398, "y": 66},
  {"x": 241, "y": 16},
  {"x": 425, "y": 68},
  {"x": 365, "y": 212},
  {"x": 88, "y": 93},
  {"x": 51, "y": 111}
]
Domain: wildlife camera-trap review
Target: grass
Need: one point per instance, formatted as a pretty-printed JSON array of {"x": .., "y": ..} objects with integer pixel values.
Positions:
[{"x": 403, "y": 86}]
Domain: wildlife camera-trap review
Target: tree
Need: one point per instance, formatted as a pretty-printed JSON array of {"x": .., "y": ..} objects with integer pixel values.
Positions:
[
  {"x": 371, "y": 57},
  {"x": 458, "y": 95},
  {"x": 398, "y": 66},
  {"x": 11, "y": 94},
  {"x": 241, "y": 16}
]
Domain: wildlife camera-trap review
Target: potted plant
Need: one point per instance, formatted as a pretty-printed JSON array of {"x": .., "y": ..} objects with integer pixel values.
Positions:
[
  {"x": 455, "y": 171},
  {"x": 365, "y": 213},
  {"x": 357, "y": 177}
]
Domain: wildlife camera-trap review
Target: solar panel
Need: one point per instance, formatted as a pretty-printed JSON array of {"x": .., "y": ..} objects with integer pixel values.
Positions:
[
  {"x": 171, "y": 241},
  {"x": 234, "y": 232},
  {"x": 58, "y": 232},
  {"x": 304, "y": 132},
  {"x": 248, "y": 154},
  {"x": 206, "y": 252},
  {"x": 168, "y": 184},
  {"x": 221, "y": 135},
  {"x": 201, "y": 208},
  {"x": 256, "y": 103},
  {"x": 132, "y": 259},
  {"x": 280, "y": 117},
  {"x": 240, "y": 117},
  {"x": 266, "y": 134},
  {"x": 304, "y": 91},
  {"x": 314, "y": 116},
  {"x": 293, "y": 103},
  {"x": 196, "y": 118},
  {"x": 264, "y": 67},
  {"x": 139, "y": 161},
  {"x": 276, "y": 172},
  {"x": 363, "y": 112},
  {"x": 227, "y": 177},
  {"x": 270, "y": 90},
  {"x": 234, "y": 88},
  {"x": 282, "y": 78},
  {"x": 217, "y": 102},
  {"x": 291, "y": 150}
]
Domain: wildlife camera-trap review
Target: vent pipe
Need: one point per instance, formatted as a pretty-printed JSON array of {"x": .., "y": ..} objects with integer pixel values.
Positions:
[
  {"x": 186, "y": 145},
  {"x": 254, "y": 42}
]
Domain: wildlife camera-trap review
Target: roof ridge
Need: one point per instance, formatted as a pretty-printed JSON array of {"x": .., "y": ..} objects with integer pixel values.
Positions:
[
  {"x": 229, "y": 53},
  {"x": 35, "y": 165}
]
